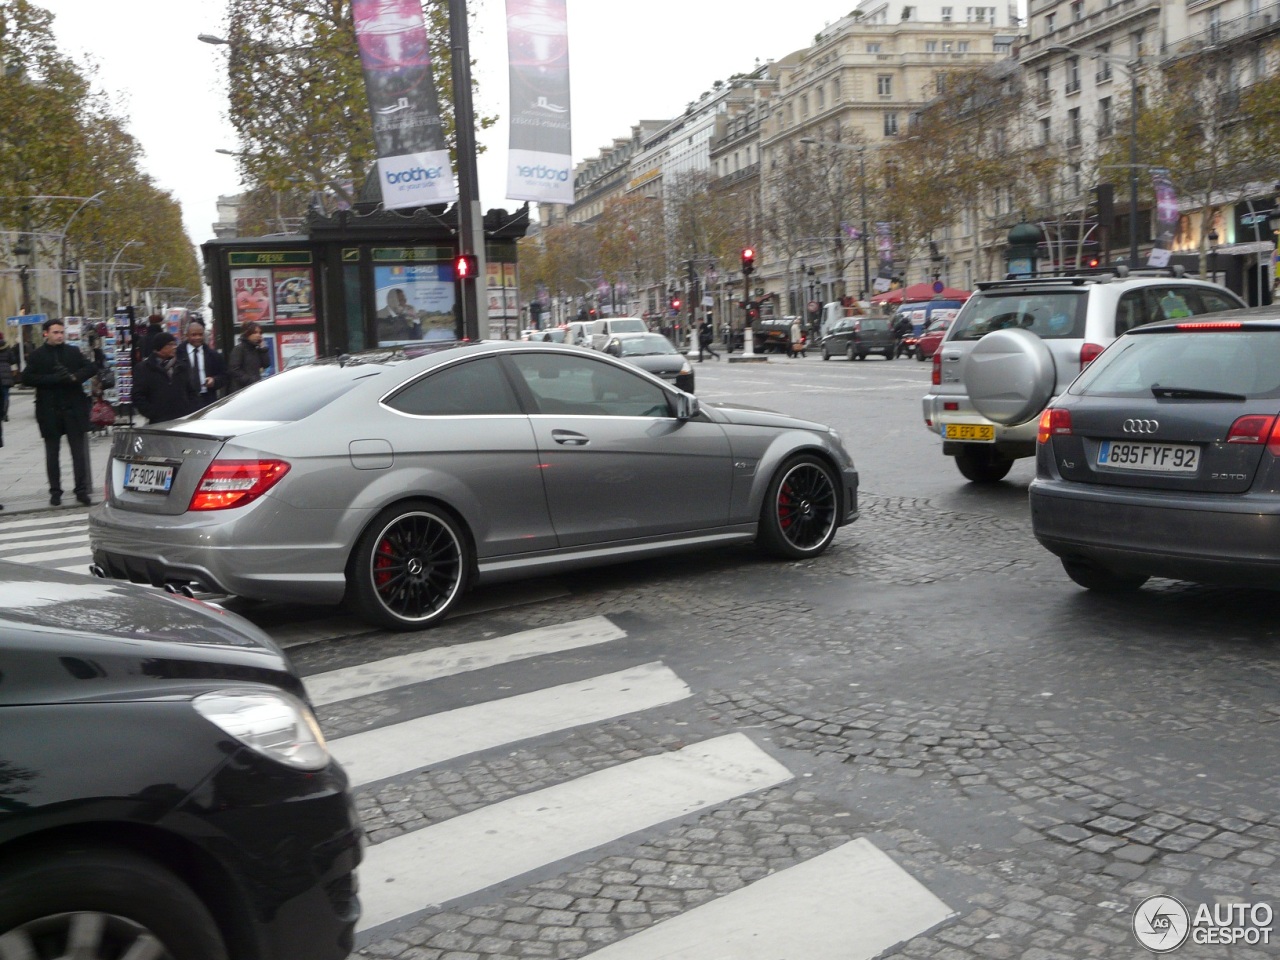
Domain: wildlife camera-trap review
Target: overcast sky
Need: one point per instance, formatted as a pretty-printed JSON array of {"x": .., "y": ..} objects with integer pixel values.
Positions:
[{"x": 628, "y": 62}]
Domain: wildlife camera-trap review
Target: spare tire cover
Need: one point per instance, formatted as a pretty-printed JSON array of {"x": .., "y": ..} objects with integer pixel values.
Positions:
[{"x": 1009, "y": 376}]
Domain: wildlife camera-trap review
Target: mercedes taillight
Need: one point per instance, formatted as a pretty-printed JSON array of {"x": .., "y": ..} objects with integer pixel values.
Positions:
[{"x": 234, "y": 483}]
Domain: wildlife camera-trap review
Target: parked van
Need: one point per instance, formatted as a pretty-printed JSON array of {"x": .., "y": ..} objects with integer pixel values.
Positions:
[{"x": 833, "y": 312}]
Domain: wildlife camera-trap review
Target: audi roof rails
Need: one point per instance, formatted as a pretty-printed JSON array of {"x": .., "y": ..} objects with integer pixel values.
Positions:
[{"x": 1011, "y": 281}]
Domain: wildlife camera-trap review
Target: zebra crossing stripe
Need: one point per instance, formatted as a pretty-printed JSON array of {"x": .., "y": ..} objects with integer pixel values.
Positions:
[
  {"x": 389, "y": 751},
  {"x": 850, "y": 903},
  {"x": 477, "y": 850},
  {"x": 54, "y": 523},
  {"x": 82, "y": 551},
  {"x": 388, "y": 674},
  {"x": 35, "y": 538}
]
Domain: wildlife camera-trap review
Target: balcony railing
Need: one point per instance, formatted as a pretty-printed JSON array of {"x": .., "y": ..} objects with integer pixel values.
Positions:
[{"x": 1250, "y": 26}]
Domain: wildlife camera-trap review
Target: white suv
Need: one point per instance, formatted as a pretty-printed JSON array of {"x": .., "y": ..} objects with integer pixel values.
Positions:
[
  {"x": 1017, "y": 344},
  {"x": 603, "y": 329}
]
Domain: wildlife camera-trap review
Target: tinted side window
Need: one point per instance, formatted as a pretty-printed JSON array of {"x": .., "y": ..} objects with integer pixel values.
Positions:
[
  {"x": 1169, "y": 303},
  {"x": 1204, "y": 300},
  {"x": 580, "y": 386},
  {"x": 1133, "y": 310},
  {"x": 474, "y": 388}
]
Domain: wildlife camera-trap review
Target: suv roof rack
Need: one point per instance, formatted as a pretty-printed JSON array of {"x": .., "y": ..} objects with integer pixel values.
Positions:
[{"x": 1079, "y": 277}]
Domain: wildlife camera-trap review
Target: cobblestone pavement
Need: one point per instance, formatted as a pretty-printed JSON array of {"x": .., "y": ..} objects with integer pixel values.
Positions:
[{"x": 1040, "y": 759}]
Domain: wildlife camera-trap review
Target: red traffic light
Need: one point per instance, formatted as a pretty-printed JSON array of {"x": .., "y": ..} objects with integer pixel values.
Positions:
[
  {"x": 675, "y": 303},
  {"x": 1092, "y": 263},
  {"x": 465, "y": 266},
  {"x": 748, "y": 260}
]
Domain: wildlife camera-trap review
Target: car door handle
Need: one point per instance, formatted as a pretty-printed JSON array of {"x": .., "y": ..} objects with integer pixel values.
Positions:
[{"x": 569, "y": 438}]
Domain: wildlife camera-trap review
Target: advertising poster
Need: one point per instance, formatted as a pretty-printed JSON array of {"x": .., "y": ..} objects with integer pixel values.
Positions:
[
  {"x": 297, "y": 349},
  {"x": 414, "y": 302},
  {"x": 540, "y": 165},
  {"x": 72, "y": 327},
  {"x": 1166, "y": 218},
  {"x": 413, "y": 162},
  {"x": 293, "y": 296},
  {"x": 493, "y": 275},
  {"x": 273, "y": 366},
  {"x": 251, "y": 296},
  {"x": 509, "y": 275}
]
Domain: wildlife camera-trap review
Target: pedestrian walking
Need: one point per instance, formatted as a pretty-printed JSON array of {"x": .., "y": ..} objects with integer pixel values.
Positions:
[
  {"x": 58, "y": 373},
  {"x": 208, "y": 372},
  {"x": 705, "y": 336},
  {"x": 162, "y": 385},
  {"x": 8, "y": 372},
  {"x": 796, "y": 337},
  {"x": 144, "y": 344},
  {"x": 249, "y": 358}
]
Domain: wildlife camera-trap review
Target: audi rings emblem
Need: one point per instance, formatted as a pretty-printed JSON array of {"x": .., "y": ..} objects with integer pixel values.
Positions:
[{"x": 1141, "y": 426}]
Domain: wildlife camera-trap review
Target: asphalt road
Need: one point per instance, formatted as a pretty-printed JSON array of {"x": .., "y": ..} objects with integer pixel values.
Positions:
[{"x": 927, "y": 743}]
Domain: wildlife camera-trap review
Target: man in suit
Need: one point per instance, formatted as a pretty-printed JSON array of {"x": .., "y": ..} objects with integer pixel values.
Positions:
[
  {"x": 58, "y": 373},
  {"x": 207, "y": 371}
]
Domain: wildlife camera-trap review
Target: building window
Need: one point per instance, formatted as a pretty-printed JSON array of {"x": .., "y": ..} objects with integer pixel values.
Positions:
[
  {"x": 822, "y": 98},
  {"x": 962, "y": 46},
  {"x": 931, "y": 46},
  {"x": 873, "y": 48},
  {"x": 1137, "y": 43},
  {"x": 884, "y": 85},
  {"x": 804, "y": 105},
  {"x": 908, "y": 13},
  {"x": 1050, "y": 22},
  {"x": 1106, "y": 118},
  {"x": 1073, "y": 127},
  {"x": 1002, "y": 47},
  {"x": 1077, "y": 11},
  {"x": 947, "y": 46},
  {"x": 890, "y": 124},
  {"x": 1042, "y": 82},
  {"x": 1215, "y": 24},
  {"x": 1073, "y": 74},
  {"x": 981, "y": 14},
  {"x": 1104, "y": 63},
  {"x": 1046, "y": 130},
  {"x": 946, "y": 14}
]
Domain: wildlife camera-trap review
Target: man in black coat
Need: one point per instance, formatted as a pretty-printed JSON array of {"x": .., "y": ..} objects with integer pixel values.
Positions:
[
  {"x": 58, "y": 373},
  {"x": 204, "y": 365},
  {"x": 162, "y": 387}
]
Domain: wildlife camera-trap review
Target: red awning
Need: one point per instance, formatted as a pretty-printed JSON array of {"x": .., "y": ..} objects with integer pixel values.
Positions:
[{"x": 918, "y": 292}]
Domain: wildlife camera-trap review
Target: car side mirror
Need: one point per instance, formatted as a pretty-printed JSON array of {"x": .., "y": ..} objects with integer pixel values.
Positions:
[{"x": 687, "y": 406}]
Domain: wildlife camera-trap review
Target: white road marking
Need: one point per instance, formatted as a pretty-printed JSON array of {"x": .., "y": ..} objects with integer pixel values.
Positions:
[
  {"x": 851, "y": 903},
  {"x": 52, "y": 555},
  {"x": 504, "y": 840},
  {"x": 45, "y": 542},
  {"x": 388, "y": 751},
  {"x": 393, "y": 672},
  {"x": 64, "y": 522}
]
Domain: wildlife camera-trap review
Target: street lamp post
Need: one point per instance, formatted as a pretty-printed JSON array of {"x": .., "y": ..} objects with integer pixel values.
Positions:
[{"x": 112, "y": 272}]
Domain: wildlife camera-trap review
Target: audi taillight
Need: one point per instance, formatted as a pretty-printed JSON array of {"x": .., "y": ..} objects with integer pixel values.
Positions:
[
  {"x": 1252, "y": 428},
  {"x": 1273, "y": 439},
  {"x": 234, "y": 483},
  {"x": 1054, "y": 422},
  {"x": 937, "y": 366},
  {"x": 1089, "y": 353}
]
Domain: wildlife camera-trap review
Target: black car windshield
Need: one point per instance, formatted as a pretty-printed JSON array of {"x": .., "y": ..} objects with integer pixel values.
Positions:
[
  {"x": 1187, "y": 365},
  {"x": 1050, "y": 314},
  {"x": 290, "y": 396},
  {"x": 649, "y": 344}
]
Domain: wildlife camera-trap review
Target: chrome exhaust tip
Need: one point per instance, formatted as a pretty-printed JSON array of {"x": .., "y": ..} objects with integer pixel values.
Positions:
[{"x": 97, "y": 571}]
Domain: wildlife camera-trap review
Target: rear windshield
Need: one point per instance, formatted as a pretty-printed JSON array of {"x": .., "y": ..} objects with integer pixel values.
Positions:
[
  {"x": 1241, "y": 362},
  {"x": 874, "y": 324},
  {"x": 628, "y": 326},
  {"x": 1050, "y": 314},
  {"x": 289, "y": 396}
]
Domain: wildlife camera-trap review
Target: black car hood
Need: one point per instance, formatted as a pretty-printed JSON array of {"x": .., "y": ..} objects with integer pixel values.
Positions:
[
  {"x": 66, "y": 638},
  {"x": 760, "y": 417}
]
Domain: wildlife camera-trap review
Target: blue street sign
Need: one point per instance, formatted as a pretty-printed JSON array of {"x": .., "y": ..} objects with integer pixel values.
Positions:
[{"x": 27, "y": 319}]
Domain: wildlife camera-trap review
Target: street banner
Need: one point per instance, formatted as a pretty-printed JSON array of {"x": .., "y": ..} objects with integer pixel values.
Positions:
[
  {"x": 884, "y": 246},
  {"x": 1166, "y": 218},
  {"x": 413, "y": 161},
  {"x": 850, "y": 231},
  {"x": 540, "y": 166}
]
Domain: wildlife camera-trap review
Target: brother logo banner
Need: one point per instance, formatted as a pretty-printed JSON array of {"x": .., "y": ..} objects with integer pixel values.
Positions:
[
  {"x": 416, "y": 179},
  {"x": 542, "y": 176}
]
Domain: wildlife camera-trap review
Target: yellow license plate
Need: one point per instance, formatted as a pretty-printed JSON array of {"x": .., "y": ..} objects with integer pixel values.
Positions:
[{"x": 983, "y": 432}]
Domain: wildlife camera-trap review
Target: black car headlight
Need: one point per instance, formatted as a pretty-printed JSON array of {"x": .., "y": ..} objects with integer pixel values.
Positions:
[{"x": 274, "y": 723}]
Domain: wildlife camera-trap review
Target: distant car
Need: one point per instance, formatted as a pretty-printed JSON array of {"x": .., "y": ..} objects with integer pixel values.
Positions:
[
  {"x": 927, "y": 343},
  {"x": 1162, "y": 459},
  {"x": 773, "y": 335},
  {"x": 653, "y": 352},
  {"x": 550, "y": 335},
  {"x": 164, "y": 788},
  {"x": 920, "y": 314},
  {"x": 1016, "y": 344},
  {"x": 395, "y": 482},
  {"x": 857, "y": 337},
  {"x": 603, "y": 329}
]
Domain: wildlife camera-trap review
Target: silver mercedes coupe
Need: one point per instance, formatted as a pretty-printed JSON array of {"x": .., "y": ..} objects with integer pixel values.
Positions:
[{"x": 394, "y": 480}]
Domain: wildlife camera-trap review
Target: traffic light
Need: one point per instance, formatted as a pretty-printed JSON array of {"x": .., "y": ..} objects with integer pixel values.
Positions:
[
  {"x": 748, "y": 261},
  {"x": 464, "y": 266},
  {"x": 1092, "y": 263},
  {"x": 753, "y": 311},
  {"x": 675, "y": 304}
]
